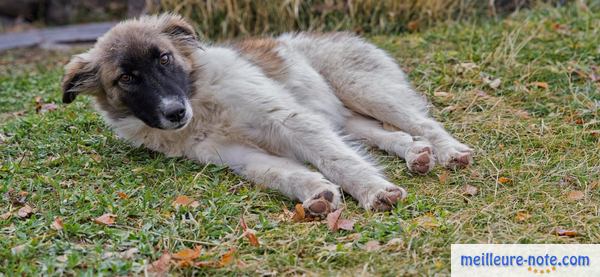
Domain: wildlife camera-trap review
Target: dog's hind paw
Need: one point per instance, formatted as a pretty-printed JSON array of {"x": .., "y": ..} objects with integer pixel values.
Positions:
[
  {"x": 419, "y": 158},
  {"x": 386, "y": 199},
  {"x": 322, "y": 203}
]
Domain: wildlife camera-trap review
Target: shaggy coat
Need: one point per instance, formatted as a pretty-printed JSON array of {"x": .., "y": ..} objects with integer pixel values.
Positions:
[{"x": 265, "y": 107}]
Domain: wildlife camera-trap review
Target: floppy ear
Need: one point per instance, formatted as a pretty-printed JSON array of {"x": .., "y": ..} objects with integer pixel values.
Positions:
[
  {"x": 182, "y": 34},
  {"x": 81, "y": 76}
]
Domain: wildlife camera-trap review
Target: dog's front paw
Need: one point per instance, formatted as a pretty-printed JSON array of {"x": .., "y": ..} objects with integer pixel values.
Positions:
[
  {"x": 384, "y": 199},
  {"x": 322, "y": 203},
  {"x": 419, "y": 158}
]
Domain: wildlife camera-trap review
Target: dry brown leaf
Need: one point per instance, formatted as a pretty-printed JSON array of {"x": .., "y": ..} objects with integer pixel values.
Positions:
[
  {"x": 522, "y": 114},
  {"x": 187, "y": 254},
  {"x": 372, "y": 245},
  {"x": 5, "y": 215},
  {"x": 227, "y": 258},
  {"x": 443, "y": 177},
  {"x": 57, "y": 224},
  {"x": 299, "y": 214},
  {"x": 346, "y": 224},
  {"x": 25, "y": 211},
  {"x": 504, "y": 180},
  {"x": 129, "y": 253},
  {"x": 122, "y": 195},
  {"x": 48, "y": 107},
  {"x": 543, "y": 85},
  {"x": 18, "y": 249},
  {"x": 427, "y": 221},
  {"x": 565, "y": 233},
  {"x": 522, "y": 216},
  {"x": 442, "y": 94},
  {"x": 394, "y": 242},
  {"x": 106, "y": 219},
  {"x": 249, "y": 233},
  {"x": 575, "y": 195},
  {"x": 412, "y": 25},
  {"x": 161, "y": 266},
  {"x": 469, "y": 190},
  {"x": 17, "y": 198},
  {"x": 184, "y": 201},
  {"x": 334, "y": 221}
]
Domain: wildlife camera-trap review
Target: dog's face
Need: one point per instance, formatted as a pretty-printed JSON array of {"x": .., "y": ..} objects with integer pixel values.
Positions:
[{"x": 140, "y": 68}]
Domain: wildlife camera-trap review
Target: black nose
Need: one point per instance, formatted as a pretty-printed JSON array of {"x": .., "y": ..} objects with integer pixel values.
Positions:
[{"x": 174, "y": 112}]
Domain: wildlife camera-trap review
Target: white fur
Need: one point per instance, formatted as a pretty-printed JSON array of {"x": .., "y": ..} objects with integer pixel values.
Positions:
[{"x": 265, "y": 129}]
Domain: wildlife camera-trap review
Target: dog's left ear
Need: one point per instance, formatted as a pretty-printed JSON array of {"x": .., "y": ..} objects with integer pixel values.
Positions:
[
  {"x": 181, "y": 33},
  {"x": 81, "y": 76}
]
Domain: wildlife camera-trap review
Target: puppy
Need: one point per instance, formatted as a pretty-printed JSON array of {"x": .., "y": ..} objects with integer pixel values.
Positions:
[{"x": 264, "y": 107}]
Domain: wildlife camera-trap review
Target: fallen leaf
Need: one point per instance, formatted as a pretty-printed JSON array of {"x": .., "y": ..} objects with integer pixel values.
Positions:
[
  {"x": 334, "y": 221},
  {"x": 427, "y": 221},
  {"x": 17, "y": 198},
  {"x": 346, "y": 224},
  {"x": 522, "y": 216},
  {"x": 184, "y": 201},
  {"x": 543, "y": 85},
  {"x": 565, "y": 233},
  {"x": 187, "y": 254},
  {"x": 106, "y": 219},
  {"x": 299, "y": 215},
  {"x": 249, "y": 233},
  {"x": 25, "y": 211},
  {"x": 579, "y": 121},
  {"x": 394, "y": 242},
  {"x": 372, "y": 245},
  {"x": 441, "y": 94},
  {"x": 494, "y": 83},
  {"x": 122, "y": 195},
  {"x": 522, "y": 114},
  {"x": 481, "y": 94},
  {"x": 469, "y": 190},
  {"x": 161, "y": 266},
  {"x": 48, "y": 107},
  {"x": 129, "y": 253},
  {"x": 18, "y": 249},
  {"x": 5, "y": 215},
  {"x": 57, "y": 224},
  {"x": 443, "y": 177},
  {"x": 62, "y": 258},
  {"x": 504, "y": 180},
  {"x": 575, "y": 195},
  {"x": 227, "y": 258},
  {"x": 412, "y": 25},
  {"x": 464, "y": 67}
]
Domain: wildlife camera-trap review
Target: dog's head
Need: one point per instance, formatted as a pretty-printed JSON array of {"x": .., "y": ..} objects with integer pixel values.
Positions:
[{"x": 139, "y": 68}]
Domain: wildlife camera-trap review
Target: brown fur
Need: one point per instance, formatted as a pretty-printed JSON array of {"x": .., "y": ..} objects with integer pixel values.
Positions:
[{"x": 263, "y": 53}]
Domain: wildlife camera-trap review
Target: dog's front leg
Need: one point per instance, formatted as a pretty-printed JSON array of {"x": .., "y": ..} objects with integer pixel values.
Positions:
[{"x": 319, "y": 196}]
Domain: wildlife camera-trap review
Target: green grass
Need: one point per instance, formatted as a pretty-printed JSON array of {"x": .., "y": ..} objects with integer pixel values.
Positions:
[{"x": 73, "y": 167}]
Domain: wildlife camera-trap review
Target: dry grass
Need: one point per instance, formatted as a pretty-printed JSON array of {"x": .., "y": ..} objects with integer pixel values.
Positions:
[{"x": 232, "y": 18}]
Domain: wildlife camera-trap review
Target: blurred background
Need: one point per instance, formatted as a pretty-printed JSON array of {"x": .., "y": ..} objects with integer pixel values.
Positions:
[{"x": 219, "y": 19}]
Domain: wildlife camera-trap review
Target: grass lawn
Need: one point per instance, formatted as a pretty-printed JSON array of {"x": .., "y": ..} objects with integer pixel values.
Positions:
[{"x": 535, "y": 131}]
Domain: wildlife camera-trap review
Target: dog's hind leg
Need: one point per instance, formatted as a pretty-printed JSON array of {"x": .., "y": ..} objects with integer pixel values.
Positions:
[
  {"x": 417, "y": 154},
  {"x": 394, "y": 102},
  {"x": 318, "y": 195}
]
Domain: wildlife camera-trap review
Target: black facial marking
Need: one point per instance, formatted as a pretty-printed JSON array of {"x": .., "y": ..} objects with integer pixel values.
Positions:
[{"x": 152, "y": 84}]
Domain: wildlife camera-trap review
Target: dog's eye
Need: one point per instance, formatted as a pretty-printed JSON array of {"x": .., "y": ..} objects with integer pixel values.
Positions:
[
  {"x": 165, "y": 59},
  {"x": 125, "y": 78}
]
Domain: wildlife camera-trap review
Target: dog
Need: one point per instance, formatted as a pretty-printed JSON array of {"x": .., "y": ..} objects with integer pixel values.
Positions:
[{"x": 265, "y": 107}]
